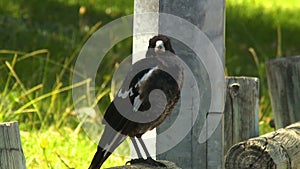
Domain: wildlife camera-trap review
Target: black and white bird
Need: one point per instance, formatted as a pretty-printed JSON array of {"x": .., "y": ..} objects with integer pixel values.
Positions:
[{"x": 147, "y": 96}]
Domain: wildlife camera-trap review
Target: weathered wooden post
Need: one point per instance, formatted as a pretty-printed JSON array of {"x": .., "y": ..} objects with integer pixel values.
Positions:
[
  {"x": 144, "y": 28},
  {"x": 241, "y": 110},
  {"x": 202, "y": 147},
  {"x": 279, "y": 149},
  {"x": 11, "y": 152},
  {"x": 208, "y": 16},
  {"x": 284, "y": 85}
]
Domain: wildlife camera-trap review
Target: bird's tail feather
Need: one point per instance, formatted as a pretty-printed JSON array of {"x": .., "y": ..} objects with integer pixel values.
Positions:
[
  {"x": 100, "y": 156},
  {"x": 109, "y": 141}
]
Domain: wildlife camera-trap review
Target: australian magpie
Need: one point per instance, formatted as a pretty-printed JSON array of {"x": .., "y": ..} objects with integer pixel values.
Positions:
[{"x": 147, "y": 96}]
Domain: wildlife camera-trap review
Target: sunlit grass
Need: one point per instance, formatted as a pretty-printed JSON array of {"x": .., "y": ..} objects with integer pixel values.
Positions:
[
  {"x": 270, "y": 5},
  {"x": 34, "y": 105},
  {"x": 62, "y": 145},
  {"x": 53, "y": 148},
  {"x": 39, "y": 43},
  {"x": 276, "y": 12},
  {"x": 38, "y": 50}
]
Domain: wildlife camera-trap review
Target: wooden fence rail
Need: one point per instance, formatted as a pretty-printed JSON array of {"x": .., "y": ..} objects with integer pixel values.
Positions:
[{"x": 279, "y": 149}]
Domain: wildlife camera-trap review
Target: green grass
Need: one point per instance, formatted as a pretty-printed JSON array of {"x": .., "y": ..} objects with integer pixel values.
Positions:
[
  {"x": 37, "y": 85},
  {"x": 39, "y": 44},
  {"x": 40, "y": 41},
  {"x": 257, "y": 31},
  {"x": 64, "y": 149},
  {"x": 59, "y": 27}
]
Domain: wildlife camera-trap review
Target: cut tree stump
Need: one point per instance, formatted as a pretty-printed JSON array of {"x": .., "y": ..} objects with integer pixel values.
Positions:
[
  {"x": 11, "y": 152},
  {"x": 170, "y": 165},
  {"x": 279, "y": 149}
]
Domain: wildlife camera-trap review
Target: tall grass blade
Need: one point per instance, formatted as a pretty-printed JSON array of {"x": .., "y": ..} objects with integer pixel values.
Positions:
[
  {"x": 20, "y": 110},
  {"x": 14, "y": 74}
]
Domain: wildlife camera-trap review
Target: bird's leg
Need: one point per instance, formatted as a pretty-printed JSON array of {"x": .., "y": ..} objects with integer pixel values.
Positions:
[
  {"x": 149, "y": 160},
  {"x": 136, "y": 147},
  {"x": 144, "y": 147},
  {"x": 138, "y": 152}
]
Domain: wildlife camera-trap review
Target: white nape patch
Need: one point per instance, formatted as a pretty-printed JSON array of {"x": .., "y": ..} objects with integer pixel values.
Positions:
[
  {"x": 125, "y": 94},
  {"x": 159, "y": 46}
]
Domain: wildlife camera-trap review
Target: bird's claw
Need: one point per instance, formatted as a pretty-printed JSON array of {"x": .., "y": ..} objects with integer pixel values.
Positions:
[
  {"x": 148, "y": 161},
  {"x": 135, "y": 161}
]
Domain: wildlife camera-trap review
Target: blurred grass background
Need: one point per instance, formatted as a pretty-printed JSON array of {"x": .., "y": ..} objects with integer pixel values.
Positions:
[{"x": 39, "y": 43}]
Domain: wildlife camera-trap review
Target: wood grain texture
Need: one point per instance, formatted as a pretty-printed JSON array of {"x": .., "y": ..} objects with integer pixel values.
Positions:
[
  {"x": 279, "y": 149},
  {"x": 169, "y": 165},
  {"x": 241, "y": 110},
  {"x": 11, "y": 153},
  {"x": 284, "y": 84}
]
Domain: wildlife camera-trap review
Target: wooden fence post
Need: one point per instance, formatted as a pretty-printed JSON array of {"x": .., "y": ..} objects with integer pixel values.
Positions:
[
  {"x": 190, "y": 153},
  {"x": 11, "y": 153},
  {"x": 208, "y": 16},
  {"x": 143, "y": 30},
  {"x": 241, "y": 110},
  {"x": 284, "y": 84},
  {"x": 279, "y": 149}
]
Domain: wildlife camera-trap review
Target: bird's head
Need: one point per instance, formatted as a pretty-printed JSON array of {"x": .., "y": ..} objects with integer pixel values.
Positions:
[{"x": 159, "y": 45}]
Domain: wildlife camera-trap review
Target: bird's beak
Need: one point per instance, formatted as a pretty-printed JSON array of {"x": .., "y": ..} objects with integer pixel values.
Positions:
[{"x": 159, "y": 48}]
